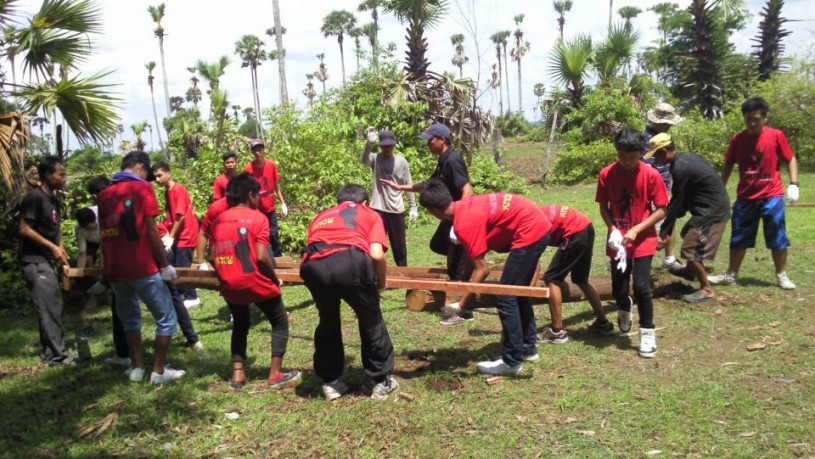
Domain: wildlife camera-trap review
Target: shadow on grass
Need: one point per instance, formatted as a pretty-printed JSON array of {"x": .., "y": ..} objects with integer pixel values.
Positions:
[{"x": 753, "y": 282}]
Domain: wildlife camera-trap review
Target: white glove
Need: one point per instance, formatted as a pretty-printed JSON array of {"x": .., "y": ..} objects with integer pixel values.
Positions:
[
  {"x": 452, "y": 308},
  {"x": 615, "y": 240},
  {"x": 621, "y": 258},
  {"x": 168, "y": 243},
  {"x": 203, "y": 267},
  {"x": 373, "y": 136},
  {"x": 792, "y": 193},
  {"x": 453, "y": 237},
  {"x": 168, "y": 274},
  {"x": 97, "y": 289},
  {"x": 284, "y": 210},
  {"x": 413, "y": 213}
]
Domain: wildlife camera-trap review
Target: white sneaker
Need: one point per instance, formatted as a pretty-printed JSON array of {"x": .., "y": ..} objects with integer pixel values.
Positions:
[
  {"x": 120, "y": 361},
  {"x": 192, "y": 303},
  {"x": 450, "y": 309},
  {"x": 726, "y": 278},
  {"x": 169, "y": 375},
  {"x": 383, "y": 389},
  {"x": 198, "y": 346},
  {"x": 783, "y": 281},
  {"x": 625, "y": 318},
  {"x": 334, "y": 390},
  {"x": 648, "y": 343},
  {"x": 135, "y": 374},
  {"x": 532, "y": 358},
  {"x": 498, "y": 367}
]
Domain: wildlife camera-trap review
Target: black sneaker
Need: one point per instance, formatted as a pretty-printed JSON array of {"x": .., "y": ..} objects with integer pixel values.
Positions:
[
  {"x": 285, "y": 380},
  {"x": 604, "y": 328}
]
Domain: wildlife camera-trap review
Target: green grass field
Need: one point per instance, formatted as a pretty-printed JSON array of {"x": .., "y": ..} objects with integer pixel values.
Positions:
[{"x": 704, "y": 395}]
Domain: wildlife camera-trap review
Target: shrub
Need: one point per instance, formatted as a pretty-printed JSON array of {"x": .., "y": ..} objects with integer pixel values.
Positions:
[
  {"x": 513, "y": 125},
  {"x": 577, "y": 163},
  {"x": 487, "y": 177},
  {"x": 605, "y": 111}
]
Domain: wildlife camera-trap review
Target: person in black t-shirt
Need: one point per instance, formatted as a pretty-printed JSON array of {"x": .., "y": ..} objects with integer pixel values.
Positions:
[
  {"x": 41, "y": 254},
  {"x": 452, "y": 171},
  {"x": 697, "y": 189}
]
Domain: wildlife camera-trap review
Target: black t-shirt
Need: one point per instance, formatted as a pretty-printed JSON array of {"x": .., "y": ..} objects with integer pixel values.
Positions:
[
  {"x": 697, "y": 189},
  {"x": 42, "y": 213},
  {"x": 452, "y": 170}
]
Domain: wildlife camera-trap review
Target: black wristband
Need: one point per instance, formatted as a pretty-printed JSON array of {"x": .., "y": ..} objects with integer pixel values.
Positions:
[{"x": 794, "y": 183}]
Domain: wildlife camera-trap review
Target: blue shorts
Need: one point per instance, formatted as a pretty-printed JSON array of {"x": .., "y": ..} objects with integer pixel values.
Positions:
[
  {"x": 154, "y": 293},
  {"x": 746, "y": 215}
]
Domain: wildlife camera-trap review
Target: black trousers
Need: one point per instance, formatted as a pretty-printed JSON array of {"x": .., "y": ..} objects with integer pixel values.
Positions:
[
  {"x": 395, "y": 227},
  {"x": 274, "y": 233},
  {"x": 276, "y": 314},
  {"x": 119, "y": 337},
  {"x": 181, "y": 257},
  {"x": 47, "y": 298},
  {"x": 641, "y": 270},
  {"x": 459, "y": 266},
  {"x": 348, "y": 275},
  {"x": 184, "y": 320}
]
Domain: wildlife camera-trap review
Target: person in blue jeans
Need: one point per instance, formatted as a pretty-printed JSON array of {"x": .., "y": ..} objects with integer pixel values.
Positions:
[{"x": 501, "y": 222}]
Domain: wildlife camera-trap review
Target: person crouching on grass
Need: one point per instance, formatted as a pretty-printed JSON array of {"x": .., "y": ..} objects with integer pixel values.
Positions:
[
  {"x": 239, "y": 251},
  {"x": 501, "y": 222},
  {"x": 573, "y": 234},
  {"x": 626, "y": 190}
]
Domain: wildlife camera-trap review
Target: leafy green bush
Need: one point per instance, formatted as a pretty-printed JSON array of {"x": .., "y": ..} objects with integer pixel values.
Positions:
[
  {"x": 604, "y": 112},
  {"x": 577, "y": 163},
  {"x": 513, "y": 125},
  {"x": 487, "y": 177},
  {"x": 707, "y": 138}
]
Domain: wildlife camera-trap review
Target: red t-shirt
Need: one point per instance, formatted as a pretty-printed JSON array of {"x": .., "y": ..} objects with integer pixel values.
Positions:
[
  {"x": 162, "y": 228},
  {"x": 219, "y": 187},
  {"x": 233, "y": 235},
  {"x": 630, "y": 195},
  {"x": 566, "y": 221},
  {"x": 348, "y": 224},
  {"x": 499, "y": 222},
  {"x": 179, "y": 203},
  {"x": 215, "y": 209},
  {"x": 126, "y": 248},
  {"x": 759, "y": 162},
  {"x": 268, "y": 177}
]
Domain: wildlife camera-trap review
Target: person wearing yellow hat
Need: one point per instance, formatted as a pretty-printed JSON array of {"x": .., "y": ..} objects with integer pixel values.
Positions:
[{"x": 697, "y": 189}]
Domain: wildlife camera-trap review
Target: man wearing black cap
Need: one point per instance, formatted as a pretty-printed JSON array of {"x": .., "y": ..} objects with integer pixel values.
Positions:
[
  {"x": 136, "y": 264},
  {"x": 265, "y": 171},
  {"x": 452, "y": 171},
  {"x": 388, "y": 202}
]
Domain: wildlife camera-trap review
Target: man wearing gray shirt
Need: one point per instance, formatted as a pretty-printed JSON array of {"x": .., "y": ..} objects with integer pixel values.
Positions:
[{"x": 385, "y": 200}]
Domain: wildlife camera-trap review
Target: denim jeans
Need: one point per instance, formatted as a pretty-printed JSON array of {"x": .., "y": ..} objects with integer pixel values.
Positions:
[
  {"x": 516, "y": 313},
  {"x": 154, "y": 293}
]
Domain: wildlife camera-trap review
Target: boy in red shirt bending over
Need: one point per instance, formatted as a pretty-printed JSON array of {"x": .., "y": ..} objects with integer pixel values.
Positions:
[
  {"x": 626, "y": 191},
  {"x": 239, "y": 251},
  {"x": 503, "y": 223},
  {"x": 345, "y": 260},
  {"x": 573, "y": 234}
]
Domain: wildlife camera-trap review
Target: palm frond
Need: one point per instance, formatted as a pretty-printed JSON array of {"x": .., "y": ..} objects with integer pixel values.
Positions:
[
  {"x": 428, "y": 12},
  {"x": 8, "y": 11},
  {"x": 76, "y": 16},
  {"x": 14, "y": 137}
]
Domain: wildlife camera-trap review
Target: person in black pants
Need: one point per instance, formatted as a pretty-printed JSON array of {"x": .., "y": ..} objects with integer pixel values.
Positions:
[{"x": 345, "y": 260}]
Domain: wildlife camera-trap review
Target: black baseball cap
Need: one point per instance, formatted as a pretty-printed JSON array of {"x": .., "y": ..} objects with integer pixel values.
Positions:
[
  {"x": 436, "y": 130},
  {"x": 386, "y": 138},
  {"x": 140, "y": 157}
]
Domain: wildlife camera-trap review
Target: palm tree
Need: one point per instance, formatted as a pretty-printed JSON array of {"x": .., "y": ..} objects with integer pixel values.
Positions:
[
  {"x": 610, "y": 12},
  {"x": 248, "y": 113},
  {"x": 235, "y": 110},
  {"x": 220, "y": 103},
  {"x": 459, "y": 58},
  {"x": 250, "y": 50},
  {"x": 539, "y": 90},
  {"x": 193, "y": 93},
  {"x": 562, "y": 7},
  {"x": 704, "y": 62},
  {"x": 418, "y": 15},
  {"x": 496, "y": 39},
  {"x": 322, "y": 72},
  {"x": 769, "y": 48},
  {"x": 628, "y": 13},
  {"x": 212, "y": 72},
  {"x": 373, "y": 6},
  {"x": 569, "y": 64},
  {"x": 150, "y": 129},
  {"x": 138, "y": 130},
  {"x": 176, "y": 103},
  {"x": 613, "y": 53},
  {"x": 521, "y": 47},
  {"x": 150, "y": 66},
  {"x": 371, "y": 30},
  {"x": 281, "y": 54},
  {"x": 504, "y": 35},
  {"x": 309, "y": 91},
  {"x": 157, "y": 13},
  {"x": 338, "y": 23},
  {"x": 356, "y": 33}
]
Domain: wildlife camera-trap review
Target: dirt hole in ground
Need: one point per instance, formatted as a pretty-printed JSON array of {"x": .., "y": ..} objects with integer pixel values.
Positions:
[{"x": 443, "y": 385}]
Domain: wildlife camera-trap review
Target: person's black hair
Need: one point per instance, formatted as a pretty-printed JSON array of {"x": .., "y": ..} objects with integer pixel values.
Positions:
[
  {"x": 352, "y": 192},
  {"x": 228, "y": 155},
  {"x": 98, "y": 184},
  {"x": 129, "y": 161},
  {"x": 755, "y": 103},
  {"x": 84, "y": 216},
  {"x": 48, "y": 165},
  {"x": 670, "y": 147},
  {"x": 629, "y": 139},
  {"x": 161, "y": 166},
  {"x": 435, "y": 195},
  {"x": 240, "y": 187}
]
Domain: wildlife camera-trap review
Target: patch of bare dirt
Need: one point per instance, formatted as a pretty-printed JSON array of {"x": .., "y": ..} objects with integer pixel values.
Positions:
[{"x": 443, "y": 385}]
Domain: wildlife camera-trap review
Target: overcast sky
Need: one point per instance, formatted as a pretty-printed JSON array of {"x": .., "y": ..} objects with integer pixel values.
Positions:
[{"x": 207, "y": 29}]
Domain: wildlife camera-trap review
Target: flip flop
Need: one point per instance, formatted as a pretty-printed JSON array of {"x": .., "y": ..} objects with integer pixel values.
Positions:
[{"x": 697, "y": 297}]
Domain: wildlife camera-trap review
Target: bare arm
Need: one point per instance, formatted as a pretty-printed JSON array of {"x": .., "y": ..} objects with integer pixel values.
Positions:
[
  {"x": 480, "y": 272},
  {"x": 279, "y": 193},
  {"x": 200, "y": 246},
  {"x": 364, "y": 155},
  {"x": 176, "y": 226},
  {"x": 378, "y": 257},
  {"x": 792, "y": 166},
  {"x": 728, "y": 168},
  {"x": 605, "y": 214},
  {"x": 265, "y": 264},
  {"x": 652, "y": 220},
  {"x": 57, "y": 251},
  {"x": 466, "y": 191},
  {"x": 155, "y": 243},
  {"x": 408, "y": 187}
]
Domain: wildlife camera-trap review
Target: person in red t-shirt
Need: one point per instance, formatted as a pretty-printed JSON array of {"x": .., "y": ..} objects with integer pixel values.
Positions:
[
  {"x": 345, "y": 260},
  {"x": 626, "y": 191},
  {"x": 759, "y": 151},
  {"x": 135, "y": 263},
  {"x": 573, "y": 234},
  {"x": 503, "y": 223},
  {"x": 239, "y": 251},
  {"x": 230, "y": 170},
  {"x": 216, "y": 208},
  {"x": 179, "y": 242},
  {"x": 265, "y": 171}
]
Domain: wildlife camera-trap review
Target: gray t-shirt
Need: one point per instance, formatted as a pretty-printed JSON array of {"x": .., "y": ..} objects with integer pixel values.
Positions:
[{"x": 393, "y": 168}]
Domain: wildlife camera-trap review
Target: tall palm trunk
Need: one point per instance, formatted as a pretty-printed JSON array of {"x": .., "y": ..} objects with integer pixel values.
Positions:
[
  {"x": 500, "y": 89},
  {"x": 506, "y": 74},
  {"x": 281, "y": 56},
  {"x": 376, "y": 42},
  {"x": 164, "y": 75},
  {"x": 258, "y": 115},
  {"x": 610, "y": 11},
  {"x": 342, "y": 58},
  {"x": 520, "y": 101},
  {"x": 158, "y": 129}
]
